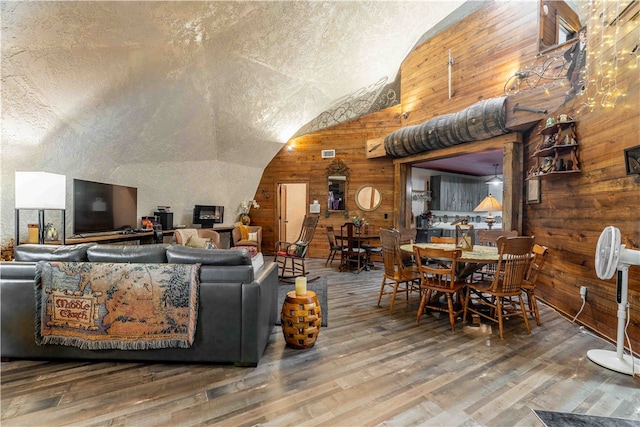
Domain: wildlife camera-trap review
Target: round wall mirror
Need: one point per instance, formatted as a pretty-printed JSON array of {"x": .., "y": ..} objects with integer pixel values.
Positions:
[{"x": 368, "y": 198}]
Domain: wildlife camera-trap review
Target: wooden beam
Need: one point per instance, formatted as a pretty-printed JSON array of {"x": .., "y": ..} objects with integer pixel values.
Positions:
[{"x": 375, "y": 148}]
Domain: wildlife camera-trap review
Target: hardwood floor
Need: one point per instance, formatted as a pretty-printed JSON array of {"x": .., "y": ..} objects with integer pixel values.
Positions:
[{"x": 367, "y": 368}]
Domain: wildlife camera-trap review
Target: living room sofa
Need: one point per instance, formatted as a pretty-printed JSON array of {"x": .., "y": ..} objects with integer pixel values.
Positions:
[{"x": 237, "y": 307}]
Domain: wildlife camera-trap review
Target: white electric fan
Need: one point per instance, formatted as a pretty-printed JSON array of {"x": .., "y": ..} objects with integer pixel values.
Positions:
[{"x": 612, "y": 256}]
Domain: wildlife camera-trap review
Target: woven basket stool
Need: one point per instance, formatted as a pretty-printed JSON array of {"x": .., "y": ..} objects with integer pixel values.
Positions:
[{"x": 301, "y": 317}]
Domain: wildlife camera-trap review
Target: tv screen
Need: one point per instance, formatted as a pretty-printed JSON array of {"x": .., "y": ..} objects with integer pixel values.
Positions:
[{"x": 100, "y": 207}]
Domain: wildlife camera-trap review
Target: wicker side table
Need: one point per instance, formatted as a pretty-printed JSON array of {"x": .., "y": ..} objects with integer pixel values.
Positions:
[{"x": 301, "y": 317}]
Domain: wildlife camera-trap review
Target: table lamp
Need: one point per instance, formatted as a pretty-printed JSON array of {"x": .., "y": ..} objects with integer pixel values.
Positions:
[
  {"x": 40, "y": 190},
  {"x": 489, "y": 204}
]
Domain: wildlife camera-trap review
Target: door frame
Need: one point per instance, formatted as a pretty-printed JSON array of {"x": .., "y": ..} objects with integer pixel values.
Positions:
[{"x": 278, "y": 211}]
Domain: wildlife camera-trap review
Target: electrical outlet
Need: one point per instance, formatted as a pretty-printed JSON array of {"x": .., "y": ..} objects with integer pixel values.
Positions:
[{"x": 583, "y": 292}]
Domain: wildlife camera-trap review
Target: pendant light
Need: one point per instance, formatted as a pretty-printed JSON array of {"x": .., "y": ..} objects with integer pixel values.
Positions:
[{"x": 495, "y": 180}]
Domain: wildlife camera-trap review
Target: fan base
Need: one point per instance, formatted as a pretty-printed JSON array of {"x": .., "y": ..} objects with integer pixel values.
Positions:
[{"x": 609, "y": 359}]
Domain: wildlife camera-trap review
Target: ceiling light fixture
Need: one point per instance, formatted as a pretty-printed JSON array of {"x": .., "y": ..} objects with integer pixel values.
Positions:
[{"x": 495, "y": 180}]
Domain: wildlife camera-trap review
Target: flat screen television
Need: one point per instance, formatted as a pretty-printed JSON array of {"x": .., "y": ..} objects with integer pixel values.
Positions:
[{"x": 100, "y": 207}]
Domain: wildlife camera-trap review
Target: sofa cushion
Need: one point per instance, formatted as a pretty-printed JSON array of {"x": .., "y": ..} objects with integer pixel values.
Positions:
[
  {"x": 33, "y": 253},
  {"x": 128, "y": 253},
  {"x": 225, "y": 257}
]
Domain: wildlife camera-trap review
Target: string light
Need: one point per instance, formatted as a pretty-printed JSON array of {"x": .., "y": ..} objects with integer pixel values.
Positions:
[{"x": 608, "y": 53}]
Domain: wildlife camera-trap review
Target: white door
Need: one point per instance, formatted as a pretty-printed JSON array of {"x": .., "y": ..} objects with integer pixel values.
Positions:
[{"x": 292, "y": 205}]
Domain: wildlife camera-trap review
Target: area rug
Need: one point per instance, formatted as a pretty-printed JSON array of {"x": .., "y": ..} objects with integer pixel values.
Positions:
[
  {"x": 567, "y": 419},
  {"x": 318, "y": 286},
  {"x": 124, "y": 306}
]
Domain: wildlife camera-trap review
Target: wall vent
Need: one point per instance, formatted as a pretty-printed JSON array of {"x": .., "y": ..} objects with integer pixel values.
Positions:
[{"x": 328, "y": 154}]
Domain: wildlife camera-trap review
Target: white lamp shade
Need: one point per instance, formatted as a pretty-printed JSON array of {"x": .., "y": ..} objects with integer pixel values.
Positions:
[
  {"x": 489, "y": 204},
  {"x": 40, "y": 190}
]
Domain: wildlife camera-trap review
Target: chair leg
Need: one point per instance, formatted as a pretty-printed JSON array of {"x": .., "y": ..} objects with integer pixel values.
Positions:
[
  {"x": 393, "y": 297},
  {"x": 330, "y": 258},
  {"x": 466, "y": 303},
  {"x": 452, "y": 318},
  {"x": 524, "y": 314},
  {"x": 533, "y": 305},
  {"x": 498, "y": 302},
  {"x": 423, "y": 302},
  {"x": 384, "y": 283}
]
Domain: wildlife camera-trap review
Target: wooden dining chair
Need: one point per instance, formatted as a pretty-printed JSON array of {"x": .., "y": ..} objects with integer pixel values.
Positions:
[
  {"x": 489, "y": 238},
  {"x": 494, "y": 300},
  {"x": 397, "y": 277},
  {"x": 538, "y": 259},
  {"x": 334, "y": 247},
  {"x": 437, "y": 269},
  {"x": 352, "y": 254}
]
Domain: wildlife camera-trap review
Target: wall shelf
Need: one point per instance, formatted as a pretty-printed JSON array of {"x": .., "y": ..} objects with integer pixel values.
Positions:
[{"x": 557, "y": 152}]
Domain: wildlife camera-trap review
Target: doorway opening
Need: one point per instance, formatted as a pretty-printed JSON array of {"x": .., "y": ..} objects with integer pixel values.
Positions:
[{"x": 291, "y": 208}]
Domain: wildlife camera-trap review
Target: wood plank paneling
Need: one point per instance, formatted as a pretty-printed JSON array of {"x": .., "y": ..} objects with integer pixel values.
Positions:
[{"x": 488, "y": 47}]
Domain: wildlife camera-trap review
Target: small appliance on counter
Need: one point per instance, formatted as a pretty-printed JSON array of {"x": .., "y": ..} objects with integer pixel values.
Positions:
[{"x": 166, "y": 217}]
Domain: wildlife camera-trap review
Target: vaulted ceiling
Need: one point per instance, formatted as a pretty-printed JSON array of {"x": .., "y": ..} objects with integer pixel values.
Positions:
[{"x": 190, "y": 81}]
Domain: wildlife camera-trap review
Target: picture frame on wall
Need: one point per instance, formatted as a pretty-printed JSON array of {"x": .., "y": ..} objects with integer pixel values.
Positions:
[
  {"x": 632, "y": 160},
  {"x": 533, "y": 191}
]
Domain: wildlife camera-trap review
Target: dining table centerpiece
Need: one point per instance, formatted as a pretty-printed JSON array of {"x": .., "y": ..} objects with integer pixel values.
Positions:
[{"x": 359, "y": 222}]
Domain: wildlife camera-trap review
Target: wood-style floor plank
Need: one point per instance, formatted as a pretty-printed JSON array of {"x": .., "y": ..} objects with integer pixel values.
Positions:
[{"x": 368, "y": 367}]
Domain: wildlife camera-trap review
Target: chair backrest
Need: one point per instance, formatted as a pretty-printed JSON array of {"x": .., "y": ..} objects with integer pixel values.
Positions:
[
  {"x": 348, "y": 229},
  {"x": 408, "y": 235},
  {"x": 540, "y": 254},
  {"x": 331, "y": 235},
  {"x": 437, "y": 266},
  {"x": 490, "y": 237},
  {"x": 513, "y": 264},
  {"x": 440, "y": 239},
  {"x": 392, "y": 258},
  {"x": 183, "y": 235},
  {"x": 309, "y": 225}
]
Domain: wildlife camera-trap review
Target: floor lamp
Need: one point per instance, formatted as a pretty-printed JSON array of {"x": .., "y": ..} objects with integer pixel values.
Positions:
[{"x": 41, "y": 191}]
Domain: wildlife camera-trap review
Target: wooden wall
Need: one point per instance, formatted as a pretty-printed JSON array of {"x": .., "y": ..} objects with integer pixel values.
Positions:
[
  {"x": 305, "y": 164},
  {"x": 574, "y": 210},
  {"x": 488, "y": 47}
]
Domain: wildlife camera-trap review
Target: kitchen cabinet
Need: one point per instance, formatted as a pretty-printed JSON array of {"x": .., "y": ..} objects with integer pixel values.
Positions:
[{"x": 453, "y": 193}]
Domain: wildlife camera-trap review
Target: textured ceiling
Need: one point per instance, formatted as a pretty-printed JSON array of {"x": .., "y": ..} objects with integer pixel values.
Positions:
[{"x": 188, "y": 81}]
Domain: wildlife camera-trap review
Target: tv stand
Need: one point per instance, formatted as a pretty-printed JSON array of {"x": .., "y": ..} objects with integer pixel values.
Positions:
[{"x": 143, "y": 238}]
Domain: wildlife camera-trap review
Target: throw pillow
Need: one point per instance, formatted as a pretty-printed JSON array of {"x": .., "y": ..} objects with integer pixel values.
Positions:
[
  {"x": 197, "y": 242},
  {"x": 244, "y": 232},
  {"x": 253, "y": 236},
  {"x": 299, "y": 249}
]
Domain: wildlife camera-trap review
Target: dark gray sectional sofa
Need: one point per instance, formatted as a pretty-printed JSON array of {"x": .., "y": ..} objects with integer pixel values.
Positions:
[{"x": 236, "y": 315}]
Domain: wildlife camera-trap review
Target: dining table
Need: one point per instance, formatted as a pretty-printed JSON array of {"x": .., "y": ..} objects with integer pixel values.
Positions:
[
  {"x": 473, "y": 259},
  {"x": 359, "y": 239}
]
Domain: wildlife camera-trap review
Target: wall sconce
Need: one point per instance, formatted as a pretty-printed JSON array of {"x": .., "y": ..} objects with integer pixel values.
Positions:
[
  {"x": 405, "y": 115},
  {"x": 39, "y": 190}
]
